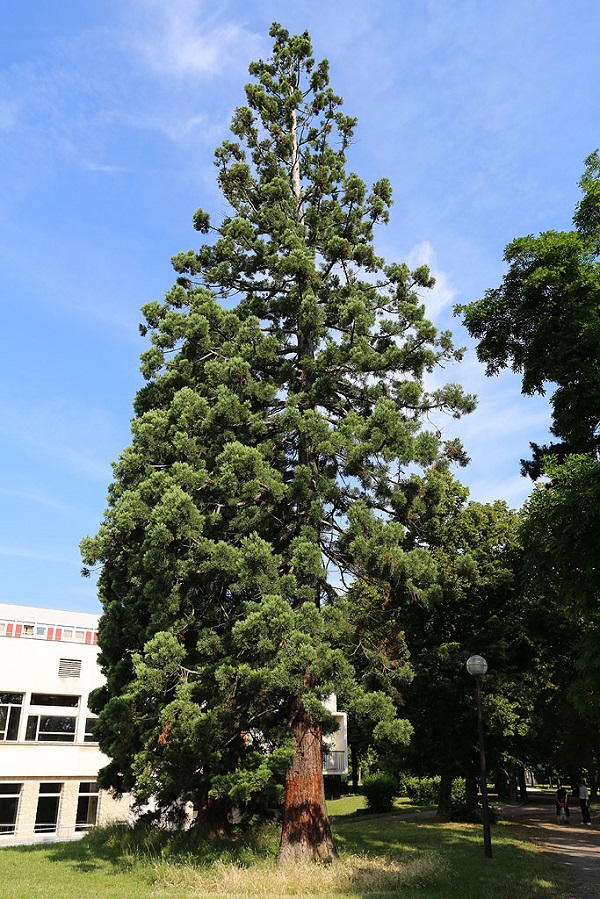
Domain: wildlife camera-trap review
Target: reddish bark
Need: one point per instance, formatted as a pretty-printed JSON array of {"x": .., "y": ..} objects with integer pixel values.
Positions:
[
  {"x": 306, "y": 834},
  {"x": 212, "y": 820}
]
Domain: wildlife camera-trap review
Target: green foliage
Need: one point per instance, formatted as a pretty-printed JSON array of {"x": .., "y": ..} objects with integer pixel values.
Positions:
[
  {"x": 421, "y": 790},
  {"x": 477, "y": 603},
  {"x": 284, "y": 399},
  {"x": 560, "y": 536},
  {"x": 379, "y": 789}
]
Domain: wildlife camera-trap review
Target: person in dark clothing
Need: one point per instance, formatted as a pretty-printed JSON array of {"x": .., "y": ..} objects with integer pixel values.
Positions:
[{"x": 561, "y": 800}]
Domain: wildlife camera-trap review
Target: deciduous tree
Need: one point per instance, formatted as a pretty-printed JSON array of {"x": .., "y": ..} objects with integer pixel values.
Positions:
[{"x": 544, "y": 321}]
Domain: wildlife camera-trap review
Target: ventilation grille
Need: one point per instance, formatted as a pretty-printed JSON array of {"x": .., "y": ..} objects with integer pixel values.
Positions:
[{"x": 69, "y": 668}]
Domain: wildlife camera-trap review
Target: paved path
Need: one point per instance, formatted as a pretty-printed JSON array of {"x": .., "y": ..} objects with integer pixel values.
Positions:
[{"x": 574, "y": 846}]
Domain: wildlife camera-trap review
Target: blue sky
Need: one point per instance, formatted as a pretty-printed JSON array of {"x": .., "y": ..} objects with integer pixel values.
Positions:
[{"x": 480, "y": 113}]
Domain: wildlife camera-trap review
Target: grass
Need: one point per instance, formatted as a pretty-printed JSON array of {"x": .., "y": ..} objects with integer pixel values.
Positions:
[
  {"x": 350, "y": 805},
  {"x": 378, "y": 858}
]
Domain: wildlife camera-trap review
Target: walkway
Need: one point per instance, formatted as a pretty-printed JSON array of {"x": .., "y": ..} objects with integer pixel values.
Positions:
[{"x": 573, "y": 846}]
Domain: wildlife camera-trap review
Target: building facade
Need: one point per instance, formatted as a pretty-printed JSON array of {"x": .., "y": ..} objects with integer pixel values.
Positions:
[
  {"x": 335, "y": 745},
  {"x": 49, "y": 760}
]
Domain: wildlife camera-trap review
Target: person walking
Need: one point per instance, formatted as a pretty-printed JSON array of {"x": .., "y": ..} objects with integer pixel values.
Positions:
[
  {"x": 584, "y": 802},
  {"x": 561, "y": 800}
]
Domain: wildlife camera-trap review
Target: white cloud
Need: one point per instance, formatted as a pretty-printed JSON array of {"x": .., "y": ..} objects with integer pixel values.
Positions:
[
  {"x": 8, "y": 114},
  {"x": 514, "y": 490},
  {"x": 65, "y": 436},
  {"x": 442, "y": 295},
  {"x": 38, "y": 498},
  {"x": 19, "y": 552},
  {"x": 183, "y": 39}
]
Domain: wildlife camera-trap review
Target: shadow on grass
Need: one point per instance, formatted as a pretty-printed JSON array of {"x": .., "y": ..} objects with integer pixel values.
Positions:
[
  {"x": 383, "y": 856},
  {"x": 124, "y": 847}
]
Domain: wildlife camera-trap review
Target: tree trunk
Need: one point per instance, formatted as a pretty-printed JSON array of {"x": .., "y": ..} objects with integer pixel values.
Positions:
[
  {"x": 445, "y": 795},
  {"x": 306, "y": 834},
  {"x": 522, "y": 783},
  {"x": 212, "y": 819},
  {"x": 471, "y": 800}
]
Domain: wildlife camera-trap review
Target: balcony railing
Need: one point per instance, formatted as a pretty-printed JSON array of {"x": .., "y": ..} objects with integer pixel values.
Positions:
[{"x": 335, "y": 761}]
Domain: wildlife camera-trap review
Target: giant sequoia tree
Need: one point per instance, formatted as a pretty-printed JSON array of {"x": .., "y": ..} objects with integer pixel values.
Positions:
[{"x": 284, "y": 400}]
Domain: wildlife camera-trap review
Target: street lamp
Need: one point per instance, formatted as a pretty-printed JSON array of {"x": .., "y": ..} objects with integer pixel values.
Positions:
[{"x": 477, "y": 667}]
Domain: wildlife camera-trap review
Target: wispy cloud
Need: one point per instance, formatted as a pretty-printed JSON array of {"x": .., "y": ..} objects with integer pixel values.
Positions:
[
  {"x": 186, "y": 38},
  {"x": 21, "y": 552},
  {"x": 66, "y": 436},
  {"x": 37, "y": 498},
  {"x": 442, "y": 295}
]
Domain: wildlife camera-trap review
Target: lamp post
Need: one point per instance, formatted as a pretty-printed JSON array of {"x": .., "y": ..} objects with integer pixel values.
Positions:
[{"x": 477, "y": 667}]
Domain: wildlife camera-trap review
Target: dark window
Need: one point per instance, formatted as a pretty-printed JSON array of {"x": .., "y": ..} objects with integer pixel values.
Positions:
[
  {"x": 67, "y": 702},
  {"x": 87, "y": 805},
  {"x": 9, "y": 804},
  {"x": 89, "y": 730},
  {"x": 47, "y": 808},
  {"x": 10, "y": 715},
  {"x": 51, "y": 728}
]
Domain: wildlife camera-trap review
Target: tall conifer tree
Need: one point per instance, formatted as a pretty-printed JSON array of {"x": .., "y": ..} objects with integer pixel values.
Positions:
[{"x": 284, "y": 400}]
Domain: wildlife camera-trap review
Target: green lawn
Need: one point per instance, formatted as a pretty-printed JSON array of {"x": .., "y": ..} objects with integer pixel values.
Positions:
[
  {"x": 378, "y": 858},
  {"x": 349, "y": 805}
]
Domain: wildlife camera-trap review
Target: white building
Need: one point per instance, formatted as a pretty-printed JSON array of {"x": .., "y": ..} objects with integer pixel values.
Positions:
[
  {"x": 48, "y": 758},
  {"x": 335, "y": 748}
]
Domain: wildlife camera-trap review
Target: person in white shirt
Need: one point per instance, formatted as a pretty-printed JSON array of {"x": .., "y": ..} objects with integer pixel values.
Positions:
[{"x": 584, "y": 802}]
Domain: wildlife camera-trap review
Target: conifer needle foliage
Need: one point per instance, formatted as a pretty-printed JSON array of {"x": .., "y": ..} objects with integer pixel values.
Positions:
[{"x": 284, "y": 399}]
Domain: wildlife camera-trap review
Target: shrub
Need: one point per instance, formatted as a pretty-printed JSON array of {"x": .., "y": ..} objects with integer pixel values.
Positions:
[
  {"x": 459, "y": 792},
  {"x": 420, "y": 790},
  {"x": 379, "y": 789}
]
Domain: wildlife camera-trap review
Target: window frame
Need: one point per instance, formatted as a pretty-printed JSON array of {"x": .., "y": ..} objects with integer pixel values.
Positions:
[
  {"x": 7, "y": 829},
  {"x": 46, "y": 735},
  {"x": 12, "y": 721},
  {"x": 45, "y": 796},
  {"x": 88, "y": 799}
]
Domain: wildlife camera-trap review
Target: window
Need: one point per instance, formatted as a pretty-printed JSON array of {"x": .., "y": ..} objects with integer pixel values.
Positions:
[
  {"x": 47, "y": 808},
  {"x": 89, "y": 731},
  {"x": 51, "y": 728},
  {"x": 58, "y": 726},
  {"x": 66, "y": 702},
  {"x": 10, "y": 715},
  {"x": 87, "y": 805},
  {"x": 9, "y": 804}
]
